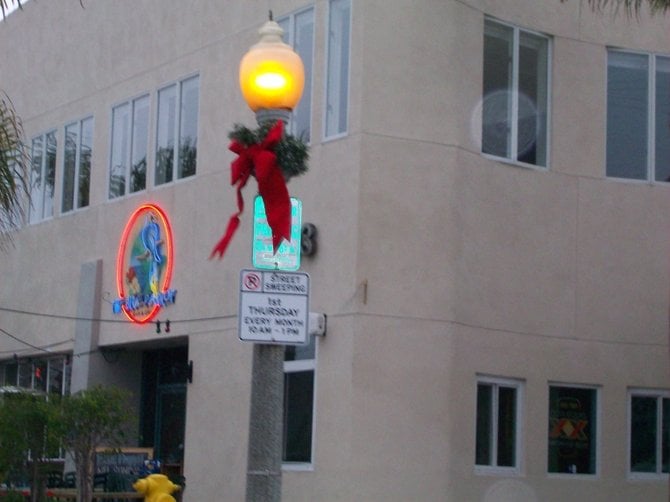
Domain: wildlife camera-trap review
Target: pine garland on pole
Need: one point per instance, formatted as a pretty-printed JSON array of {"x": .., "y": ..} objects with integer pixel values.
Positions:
[
  {"x": 273, "y": 158},
  {"x": 292, "y": 153}
]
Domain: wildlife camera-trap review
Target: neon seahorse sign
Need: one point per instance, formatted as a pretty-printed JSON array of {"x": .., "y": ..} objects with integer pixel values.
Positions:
[{"x": 144, "y": 265}]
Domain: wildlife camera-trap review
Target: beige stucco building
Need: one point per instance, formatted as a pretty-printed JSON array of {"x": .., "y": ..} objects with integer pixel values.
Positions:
[{"x": 488, "y": 179}]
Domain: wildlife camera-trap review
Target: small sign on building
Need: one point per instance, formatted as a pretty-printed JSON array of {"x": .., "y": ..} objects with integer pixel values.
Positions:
[{"x": 274, "y": 307}]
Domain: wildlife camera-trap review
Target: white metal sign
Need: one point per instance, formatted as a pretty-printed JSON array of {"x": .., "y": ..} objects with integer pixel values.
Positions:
[{"x": 274, "y": 306}]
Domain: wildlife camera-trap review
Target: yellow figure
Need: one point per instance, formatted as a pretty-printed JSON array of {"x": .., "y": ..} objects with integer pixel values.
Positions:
[
  {"x": 153, "y": 282},
  {"x": 156, "y": 488}
]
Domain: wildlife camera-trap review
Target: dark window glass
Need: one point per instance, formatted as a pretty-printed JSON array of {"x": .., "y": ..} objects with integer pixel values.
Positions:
[
  {"x": 56, "y": 376},
  {"x": 506, "y": 426},
  {"x": 85, "y": 154},
  {"x": 300, "y": 352},
  {"x": 50, "y": 174},
  {"x": 496, "y": 435},
  {"x": 119, "y": 153},
  {"x": 337, "y": 71},
  {"x": 515, "y": 103},
  {"x": 36, "y": 188},
  {"x": 77, "y": 164},
  {"x": 496, "y": 111},
  {"x": 572, "y": 430},
  {"x": 11, "y": 374},
  {"x": 484, "y": 424},
  {"x": 40, "y": 376},
  {"x": 662, "y": 137},
  {"x": 165, "y": 140},
  {"x": 69, "y": 166},
  {"x": 643, "y": 434},
  {"x": 298, "y": 406},
  {"x": 627, "y": 119},
  {"x": 138, "y": 161},
  {"x": 188, "y": 136},
  {"x": 26, "y": 375},
  {"x": 533, "y": 102},
  {"x": 665, "y": 441}
]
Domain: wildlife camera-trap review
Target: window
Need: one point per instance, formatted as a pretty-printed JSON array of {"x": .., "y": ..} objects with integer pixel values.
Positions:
[
  {"x": 77, "y": 164},
  {"x": 128, "y": 157},
  {"x": 572, "y": 429},
  {"x": 516, "y": 94},
  {"x": 649, "y": 432},
  {"x": 42, "y": 177},
  {"x": 9, "y": 373},
  {"x": 299, "y": 33},
  {"x": 48, "y": 375},
  {"x": 638, "y": 116},
  {"x": 299, "y": 366},
  {"x": 177, "y": 130},
  {"x": 43, "y": 376},
  {"x": 337, "y": 71},
  {"x": 498, "y": 422}
]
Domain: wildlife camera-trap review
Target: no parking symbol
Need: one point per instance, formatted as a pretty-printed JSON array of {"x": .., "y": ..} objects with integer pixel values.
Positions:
[{"x": 251, "y": 281}]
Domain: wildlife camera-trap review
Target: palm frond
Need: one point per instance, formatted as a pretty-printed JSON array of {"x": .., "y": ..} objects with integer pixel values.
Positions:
[
  {"x": 4, "y": 6},
  {"x": 14, "y": 164},
  {"x": 631, "y": 6}
]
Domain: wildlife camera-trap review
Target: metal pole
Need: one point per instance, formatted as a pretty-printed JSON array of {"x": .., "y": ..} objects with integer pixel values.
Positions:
[
  {"x": 266, "y": 424},
  {"x": 266, "y": 417}
]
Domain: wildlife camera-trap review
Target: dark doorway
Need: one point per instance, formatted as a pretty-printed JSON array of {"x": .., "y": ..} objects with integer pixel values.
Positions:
[{"x": 164, "y": 377}]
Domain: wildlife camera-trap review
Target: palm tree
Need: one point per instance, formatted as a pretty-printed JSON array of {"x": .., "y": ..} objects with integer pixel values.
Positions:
[{"x": 14, "y": 161}]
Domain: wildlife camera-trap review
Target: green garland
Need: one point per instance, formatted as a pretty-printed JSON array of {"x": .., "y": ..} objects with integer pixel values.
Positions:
[{"x": 292, "y": 153}]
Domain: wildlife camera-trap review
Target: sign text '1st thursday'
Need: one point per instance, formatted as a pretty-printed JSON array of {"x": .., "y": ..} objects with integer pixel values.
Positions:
[{"x": 274, "y": 307}]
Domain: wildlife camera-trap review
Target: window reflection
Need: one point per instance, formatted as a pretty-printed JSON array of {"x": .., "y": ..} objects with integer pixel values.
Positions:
[
  {"x": 627, "y": 105},
  {"x": 165, "y": 140},
  {"x": 188, "y": 135}
]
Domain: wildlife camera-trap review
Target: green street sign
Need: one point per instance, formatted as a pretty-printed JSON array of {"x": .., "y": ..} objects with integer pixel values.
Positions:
[{"x": 288, "y": 254}]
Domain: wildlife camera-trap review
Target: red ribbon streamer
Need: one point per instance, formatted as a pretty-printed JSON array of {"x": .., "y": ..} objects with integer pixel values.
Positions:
[{"x": 260, "y": 160}]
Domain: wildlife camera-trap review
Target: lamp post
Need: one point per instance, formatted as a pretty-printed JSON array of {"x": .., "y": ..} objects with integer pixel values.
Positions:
[{"x": 271, "y": 79}]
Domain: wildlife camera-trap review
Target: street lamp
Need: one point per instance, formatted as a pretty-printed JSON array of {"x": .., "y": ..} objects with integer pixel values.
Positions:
[{"x": 272, "y": 78}]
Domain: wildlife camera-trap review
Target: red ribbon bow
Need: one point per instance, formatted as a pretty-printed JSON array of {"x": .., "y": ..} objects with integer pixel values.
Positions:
[{"x": 261, "y": 161}]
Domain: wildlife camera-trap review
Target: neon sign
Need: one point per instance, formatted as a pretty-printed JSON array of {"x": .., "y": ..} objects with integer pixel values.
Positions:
[{"x": 144, "y": 265}]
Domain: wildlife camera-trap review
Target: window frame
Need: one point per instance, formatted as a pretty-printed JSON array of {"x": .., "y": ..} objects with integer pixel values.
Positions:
[
  {"x": 42, "y": 216},
  {"x": 178, "y": 85},
  {"x": 650, "y": 133},
  {"x": 79, "y": 124},
  {"x": 519, "y": 386},
  {"x": 297, "y": 366},
  {"x": 513, "y": 119},
  {"x": 327, "y": 135},
  {"x": 131, "y": 103},
  {"x": 598, "y": 435},
  {"x": 659, "y": 395},
  {"x": 290, "y": 38},
  {"x": 30, "y": 364}
]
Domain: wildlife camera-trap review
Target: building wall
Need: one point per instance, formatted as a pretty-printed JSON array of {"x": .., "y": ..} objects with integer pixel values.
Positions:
[{"x": 435, "y": 264}]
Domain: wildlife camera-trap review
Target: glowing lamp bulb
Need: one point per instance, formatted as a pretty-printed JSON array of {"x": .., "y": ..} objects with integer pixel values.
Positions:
[
  {"x": 272, "y": 75},
  {"x": 271, "y": 81}
]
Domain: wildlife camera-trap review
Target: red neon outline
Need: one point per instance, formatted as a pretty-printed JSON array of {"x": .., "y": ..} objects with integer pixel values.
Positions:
[{"x": 120, "y": 258}]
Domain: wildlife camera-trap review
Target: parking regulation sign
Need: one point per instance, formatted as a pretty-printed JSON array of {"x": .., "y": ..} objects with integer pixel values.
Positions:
[{"x": 274, "y": 307}]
